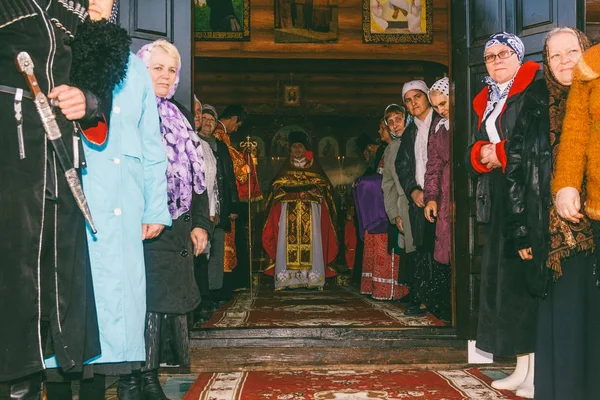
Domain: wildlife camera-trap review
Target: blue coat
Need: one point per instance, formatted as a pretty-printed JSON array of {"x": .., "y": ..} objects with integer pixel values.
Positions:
[{"x": 125, "y": 185}]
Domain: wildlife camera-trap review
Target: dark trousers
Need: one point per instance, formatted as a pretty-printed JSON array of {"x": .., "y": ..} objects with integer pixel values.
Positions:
[
  {"x": 89, "y": 389},
  {"x": 241, "y": 273},
  {"x": 567, "y": 355}
]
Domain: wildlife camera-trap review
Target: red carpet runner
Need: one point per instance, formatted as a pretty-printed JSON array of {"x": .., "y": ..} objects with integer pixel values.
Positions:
[
  {"x": 334, "y": 306},
  {"x": 346, "y": 385}
]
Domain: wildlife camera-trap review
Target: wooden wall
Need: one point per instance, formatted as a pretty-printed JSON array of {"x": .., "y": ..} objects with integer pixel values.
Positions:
[
  {"x": 592, "y": 20},
  {"x": 327, "y": 87},
  {"x": 349, "y": 46}
]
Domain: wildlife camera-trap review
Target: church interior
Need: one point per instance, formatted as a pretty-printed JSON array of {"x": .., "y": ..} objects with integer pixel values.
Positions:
[
  {"x": 334, "y": 92},
  {"x": 323, "y": 73}
]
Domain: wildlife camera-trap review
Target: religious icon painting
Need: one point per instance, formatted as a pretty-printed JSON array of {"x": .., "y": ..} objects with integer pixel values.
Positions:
[
  {"x": 227, "y": 20},
  {"x": 351, "y": 148},
  {"x": 307, "y": 21},
  {"x": 329, "y": 147},
  {"x": 398, "y": 21},
  {"x": 291, "y": 96}
]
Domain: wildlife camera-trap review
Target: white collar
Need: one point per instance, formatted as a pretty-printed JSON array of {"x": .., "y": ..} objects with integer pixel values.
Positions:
[
  {"x": 426, "y": 123},
  {"x": 299, "y": 163}
]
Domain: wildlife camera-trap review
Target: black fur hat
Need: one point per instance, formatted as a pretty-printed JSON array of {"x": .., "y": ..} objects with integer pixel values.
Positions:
[
  {"x": 100, "y": 57},
  {"x": 298, "y": 137}
]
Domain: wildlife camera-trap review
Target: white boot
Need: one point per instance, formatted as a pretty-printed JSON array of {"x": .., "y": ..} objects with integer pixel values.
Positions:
[
  {"x": 526, "y": 389},
  {"x": 513, "y": 381}
]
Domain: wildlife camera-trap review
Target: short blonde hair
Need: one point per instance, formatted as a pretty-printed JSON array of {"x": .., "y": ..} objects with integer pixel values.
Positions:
[{"x": 168, "y": 48}]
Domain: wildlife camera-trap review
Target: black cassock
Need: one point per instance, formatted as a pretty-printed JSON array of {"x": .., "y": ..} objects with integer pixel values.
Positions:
[{"x": 46, "y": 295}]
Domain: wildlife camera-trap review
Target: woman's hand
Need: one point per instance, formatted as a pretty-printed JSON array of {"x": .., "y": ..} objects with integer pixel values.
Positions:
[
  {"x": 150, "y": 231},
  {"x": 399, "y": 224},
  {"x": 489, "y": 157},
  {"x": 418, "y": 197},
  {"x": 431, "y": 211},
  {"x": 568, "y": 204},
  {"x": 199, "y": 239},
  {"x": 71, "y": 101},
  {"x": 526, "y": 254}
]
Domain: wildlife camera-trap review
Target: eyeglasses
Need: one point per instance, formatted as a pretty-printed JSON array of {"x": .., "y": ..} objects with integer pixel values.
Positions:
[{"x": 503, "y": 55}]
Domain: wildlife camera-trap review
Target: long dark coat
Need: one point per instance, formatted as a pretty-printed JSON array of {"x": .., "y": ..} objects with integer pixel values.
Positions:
[
  {"x": 170, "y": 284},
  {"x": 406, "y": 166},
  {"x": 507, "y": 311},
  {"x": 45, "y": 276},
  {"x": 528, "y": 172}
]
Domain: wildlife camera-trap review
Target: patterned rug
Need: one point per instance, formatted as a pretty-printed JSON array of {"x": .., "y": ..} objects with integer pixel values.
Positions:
[
  {"x": 334, "y": 306},
  {"x": 346, "y": 385}
]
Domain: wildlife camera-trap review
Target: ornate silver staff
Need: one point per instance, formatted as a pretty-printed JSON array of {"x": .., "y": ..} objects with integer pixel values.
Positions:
[
  {"x": 25, "y": 66},
  {"x": 248, "y": 147}
]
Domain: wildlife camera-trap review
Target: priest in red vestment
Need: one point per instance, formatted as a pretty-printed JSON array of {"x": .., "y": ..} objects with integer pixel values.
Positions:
[{"x": 299, "y": 234}]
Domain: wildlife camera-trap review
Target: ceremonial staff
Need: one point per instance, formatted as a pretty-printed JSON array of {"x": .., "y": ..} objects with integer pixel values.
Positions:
[
  {"x": 248, "y": 146},
  {"x": 25, "y": 66}
]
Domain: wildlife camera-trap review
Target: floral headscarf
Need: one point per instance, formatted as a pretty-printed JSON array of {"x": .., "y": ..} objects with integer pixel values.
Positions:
[
  {"x": 495, "y": 93},
  {"x": 185, "y": 169}
]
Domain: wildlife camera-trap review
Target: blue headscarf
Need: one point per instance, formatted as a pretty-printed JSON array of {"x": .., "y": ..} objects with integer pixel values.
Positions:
[{"x": 507, "y": 39}]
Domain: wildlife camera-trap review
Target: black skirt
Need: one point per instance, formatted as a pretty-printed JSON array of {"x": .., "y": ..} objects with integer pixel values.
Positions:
[
  {"x": 567, "y": 355},
  {"x": 507, "y": 310},
  {"x": 170, "y": 284}
]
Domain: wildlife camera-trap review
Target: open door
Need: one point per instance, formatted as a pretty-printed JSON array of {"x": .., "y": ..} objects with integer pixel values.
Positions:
[
  {"x": 472, "y": 22},
  {"x": 150, "y": 20}
]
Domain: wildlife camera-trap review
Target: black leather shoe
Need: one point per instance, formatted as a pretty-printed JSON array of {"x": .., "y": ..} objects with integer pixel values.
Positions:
[
  {"x": 151, "y": 386},
  {"x": 130, "y": 387},
  {"x": 29, "y": 388}
]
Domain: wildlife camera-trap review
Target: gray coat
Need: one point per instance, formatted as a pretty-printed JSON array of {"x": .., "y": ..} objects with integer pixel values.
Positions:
[{"x": 396, "y": 203}]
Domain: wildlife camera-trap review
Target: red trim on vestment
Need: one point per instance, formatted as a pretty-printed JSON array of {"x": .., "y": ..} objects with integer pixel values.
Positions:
[{"x": 328, "y": 237}]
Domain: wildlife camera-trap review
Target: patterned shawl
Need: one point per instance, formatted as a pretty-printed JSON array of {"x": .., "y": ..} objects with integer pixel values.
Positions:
[
  {"x": 566, "y": 238},
  {"x": 185, "y": 169}
]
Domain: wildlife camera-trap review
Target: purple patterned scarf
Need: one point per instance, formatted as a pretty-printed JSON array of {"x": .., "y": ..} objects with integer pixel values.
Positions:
[{"x": 185, "y": 169}]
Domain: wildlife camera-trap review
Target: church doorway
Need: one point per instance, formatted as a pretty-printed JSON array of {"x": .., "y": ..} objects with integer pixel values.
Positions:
[{"x": 337, "y": 90}]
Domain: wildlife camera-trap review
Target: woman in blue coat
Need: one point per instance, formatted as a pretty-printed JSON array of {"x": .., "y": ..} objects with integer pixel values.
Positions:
[{"x": 126, "y": 188}]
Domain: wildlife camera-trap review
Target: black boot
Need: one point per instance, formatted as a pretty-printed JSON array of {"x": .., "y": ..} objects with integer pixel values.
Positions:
[
  {"x": 151, "y": 386},
  {"x": 130, "y": 387},
  {"x": 29, "y": 388}
]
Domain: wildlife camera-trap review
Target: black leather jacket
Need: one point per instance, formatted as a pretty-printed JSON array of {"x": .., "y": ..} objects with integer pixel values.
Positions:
[
  {"x": 528, "y": 172},
  {"x": 406, "y": 166}
]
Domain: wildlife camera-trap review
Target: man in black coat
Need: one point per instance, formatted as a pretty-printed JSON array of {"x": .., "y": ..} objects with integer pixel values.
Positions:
[
  {"x": 213, "y": 283},
  {"x": 410, "y": 167},
  {"x": 46, "y": 296}
]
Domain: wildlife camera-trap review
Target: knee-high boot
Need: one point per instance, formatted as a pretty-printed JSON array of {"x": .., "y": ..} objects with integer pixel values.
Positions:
[
  {"x": 28, "y": 388},
  {"x": 130, "y": 387},
  {"x": 150, "y": 384}
]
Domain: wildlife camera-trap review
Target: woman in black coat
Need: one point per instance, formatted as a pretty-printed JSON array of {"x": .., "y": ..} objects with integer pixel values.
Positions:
[
  {"x": 566, "y": 363},
  {"x": 507, "y": 311}
]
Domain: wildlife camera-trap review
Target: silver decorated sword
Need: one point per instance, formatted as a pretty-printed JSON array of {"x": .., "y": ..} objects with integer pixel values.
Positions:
[{"x": 25, "y": 66}]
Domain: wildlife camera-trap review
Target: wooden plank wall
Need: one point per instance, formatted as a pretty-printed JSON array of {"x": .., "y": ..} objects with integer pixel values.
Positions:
[
  {"x": 349, "y": 46},
  {"x": 592, "y": 20},
  {"x": 327, "y": 87}
]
